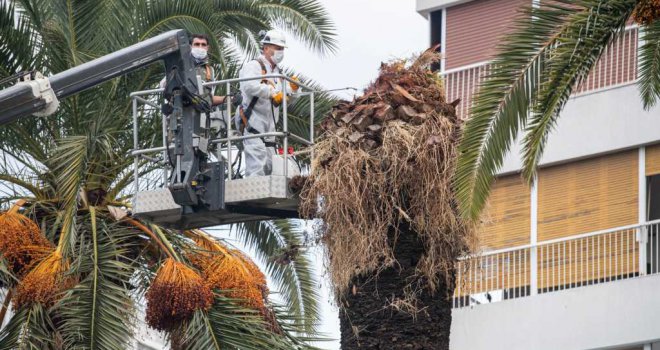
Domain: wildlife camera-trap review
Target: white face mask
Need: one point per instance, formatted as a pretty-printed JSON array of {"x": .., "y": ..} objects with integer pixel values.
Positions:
[
  {"x": 198, "y": 53},
  {"x": 278, "y": 56}
]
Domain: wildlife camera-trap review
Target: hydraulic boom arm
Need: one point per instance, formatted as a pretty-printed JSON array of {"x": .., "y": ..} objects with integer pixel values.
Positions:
[{"x": 23, "y": 99}]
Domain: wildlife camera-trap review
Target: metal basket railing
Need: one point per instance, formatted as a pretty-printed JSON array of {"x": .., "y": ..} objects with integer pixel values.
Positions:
[{"x": 227, "y": 144}]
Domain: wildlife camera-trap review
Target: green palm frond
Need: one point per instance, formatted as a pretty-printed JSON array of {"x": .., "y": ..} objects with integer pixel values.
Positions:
[
  {"x": 10, "y": 335},
  {"x": 241, "y": 20},
  {"x": 293, "y": 328},
  {"x": 229, "y": 326},
  {"x": 576, "y": 52},
  {"x": 97, "y": 23},
  {"x": 97, "y": 313},
  {"x": 305, "y": 302},
  {"x": 75, "y": 26},
  {"x": 296, "y": 280},
  {"x": 501, "y": 106},
  {"x": 20, "y": 45},
  {"x": 238, "y": 15},
  {"x": 34, "y": 190},
  {"x": 38, "y": 11},
  {"x": 529, "y": 76},
  {"x": 16, "y": 138},
  {"x": 6, "y": 276},
  {"x": 29, "y": 328},
  {"x": 198, "y": 333},
  {"x": 306, "y": 20},
  {"x": 160, "y": 16},
  {"x": 70, "y": 160},
  {"x": 123, "y": 182},
  {"x": 244, "y": 43},
  {"x": 649, "y": 65},
  {"x": 21, "y": 159},
  {"x": 299, "y": 112}
]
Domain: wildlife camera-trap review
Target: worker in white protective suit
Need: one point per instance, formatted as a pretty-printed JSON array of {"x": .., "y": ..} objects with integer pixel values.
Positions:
[{"x": 260, "y": 109}]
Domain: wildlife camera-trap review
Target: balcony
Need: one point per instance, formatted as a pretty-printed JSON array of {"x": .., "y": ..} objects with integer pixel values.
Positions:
[
  {"x": 617, "y": 67},
  {"x": 590, "y": 291},
  {"x": 559, "y": 264}
]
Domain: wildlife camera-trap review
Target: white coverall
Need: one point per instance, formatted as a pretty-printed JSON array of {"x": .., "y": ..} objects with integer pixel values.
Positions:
[{"x": 264, "y": 117}]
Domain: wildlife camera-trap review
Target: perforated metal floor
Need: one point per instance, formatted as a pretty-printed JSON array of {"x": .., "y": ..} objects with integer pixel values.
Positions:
[{"x": 249, "y": 199}]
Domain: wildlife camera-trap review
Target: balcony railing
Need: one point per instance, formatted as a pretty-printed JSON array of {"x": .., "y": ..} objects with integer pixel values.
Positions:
[
  {"x": 617, "y": 67},
  {"x": 558, "y": 264}
]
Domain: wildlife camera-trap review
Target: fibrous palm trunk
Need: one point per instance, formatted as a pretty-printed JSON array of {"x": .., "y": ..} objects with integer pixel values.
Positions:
[{"x": 375, "y": 314}]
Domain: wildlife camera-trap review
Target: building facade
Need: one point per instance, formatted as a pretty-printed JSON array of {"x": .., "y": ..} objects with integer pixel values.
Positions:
[{"x": 573, "y": 261}]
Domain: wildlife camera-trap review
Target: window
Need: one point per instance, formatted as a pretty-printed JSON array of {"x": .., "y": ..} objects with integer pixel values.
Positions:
[
  {"x": 653, "y": 213},
  {"x": 436, "y": 27},
  {"x": 436, "y": 34}
]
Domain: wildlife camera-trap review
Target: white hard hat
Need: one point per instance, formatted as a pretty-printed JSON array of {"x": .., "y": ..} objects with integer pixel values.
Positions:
[{"x": 274, "y": 37}]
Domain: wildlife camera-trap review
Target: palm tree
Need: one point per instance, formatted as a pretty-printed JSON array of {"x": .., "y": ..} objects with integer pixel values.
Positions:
[
  {"x": 389, "y": 221},
  {"x": 551, "y": 52},
  {"x": 81, "y": 268}
]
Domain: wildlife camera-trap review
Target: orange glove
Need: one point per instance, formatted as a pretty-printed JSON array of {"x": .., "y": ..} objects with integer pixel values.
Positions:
[
  {"x": 294, "y": 86},
  {"x": 277, "y": 98}
]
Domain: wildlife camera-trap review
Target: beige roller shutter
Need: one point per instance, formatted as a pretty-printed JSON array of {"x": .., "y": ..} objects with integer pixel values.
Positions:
[
  {"x": 505, "y": 224},
  {"x": 588, "y": 195},
  {"x": 652, "y": 160},
  {"x": 506, "y": 219}
]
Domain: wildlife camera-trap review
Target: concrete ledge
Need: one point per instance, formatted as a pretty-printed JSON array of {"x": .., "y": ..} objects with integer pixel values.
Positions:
[
  {"x": 424, "y": 7},
  {"x": 596, "y": 123},
  {"x": 609, "y": 315}
]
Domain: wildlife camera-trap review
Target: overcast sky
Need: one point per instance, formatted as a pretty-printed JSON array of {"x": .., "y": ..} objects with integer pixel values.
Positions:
[{"x": 369, "y": 32}]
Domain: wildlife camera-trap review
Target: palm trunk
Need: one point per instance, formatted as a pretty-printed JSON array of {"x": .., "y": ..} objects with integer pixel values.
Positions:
[{"x": 370, "y": 320}]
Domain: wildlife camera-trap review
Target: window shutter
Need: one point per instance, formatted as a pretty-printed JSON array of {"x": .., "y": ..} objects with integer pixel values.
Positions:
[
  {"x": 506, "y": 219},
  {"x": 588, "y": 195}
]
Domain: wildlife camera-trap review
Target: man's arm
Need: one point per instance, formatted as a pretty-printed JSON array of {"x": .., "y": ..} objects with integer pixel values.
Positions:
[
  {"x": 218, "y": 100},
  {"x": 254, "y": 87}
]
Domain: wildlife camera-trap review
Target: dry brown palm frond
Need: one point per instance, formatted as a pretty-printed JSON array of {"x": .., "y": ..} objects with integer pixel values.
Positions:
[{"x": 387, "y": 158}]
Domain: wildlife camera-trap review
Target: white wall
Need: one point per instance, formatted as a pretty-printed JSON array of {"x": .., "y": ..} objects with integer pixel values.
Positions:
[
  {"x": 611, "y": 315},
  {"x": 597, "y": 123}
]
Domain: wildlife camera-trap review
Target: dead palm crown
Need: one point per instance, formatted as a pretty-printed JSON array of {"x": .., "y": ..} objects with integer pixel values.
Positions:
[{"x": 385, "y": 162}]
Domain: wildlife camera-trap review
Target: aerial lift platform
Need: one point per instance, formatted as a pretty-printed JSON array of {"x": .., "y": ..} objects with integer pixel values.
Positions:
[
  {"x": 245, "y": 199},
  {"x": 198, "y": 185}
]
